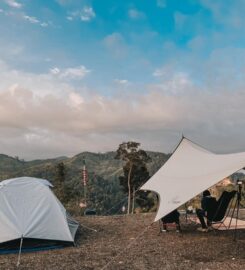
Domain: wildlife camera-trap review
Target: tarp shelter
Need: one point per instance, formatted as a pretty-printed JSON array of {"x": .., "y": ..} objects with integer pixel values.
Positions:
[
  {"x": 30, "y": 211},
  {"x": 190, "y": 170}
]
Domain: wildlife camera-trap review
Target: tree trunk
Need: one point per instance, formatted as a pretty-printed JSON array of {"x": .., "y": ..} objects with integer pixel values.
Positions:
[
  {"x": 133, "y": 200},
  {"x": 129, "y": 189}
]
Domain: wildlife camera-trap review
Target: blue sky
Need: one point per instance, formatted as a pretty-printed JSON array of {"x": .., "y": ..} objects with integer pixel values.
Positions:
[{"x": 95, "y": 73}]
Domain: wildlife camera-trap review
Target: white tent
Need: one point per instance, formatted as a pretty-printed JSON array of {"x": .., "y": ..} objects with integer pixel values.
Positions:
[
  {"x": 190, "y": 170},
  {"x": 29, "y": 209}
]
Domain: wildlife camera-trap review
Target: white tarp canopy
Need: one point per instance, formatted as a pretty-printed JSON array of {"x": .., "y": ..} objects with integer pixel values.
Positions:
[
  {"x": 190, "y": 170},
  {"x": 29, "y": 209}
]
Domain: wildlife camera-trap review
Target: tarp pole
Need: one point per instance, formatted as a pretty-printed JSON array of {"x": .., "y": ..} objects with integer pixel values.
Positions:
[{"x": 21, "y": 242}]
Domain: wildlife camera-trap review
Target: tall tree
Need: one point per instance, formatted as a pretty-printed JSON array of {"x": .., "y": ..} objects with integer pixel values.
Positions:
[{"x": 135, "y": 170}]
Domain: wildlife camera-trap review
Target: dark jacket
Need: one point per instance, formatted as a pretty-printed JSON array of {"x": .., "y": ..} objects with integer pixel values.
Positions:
[
  {"x": 208, "y": 202},
  {"x": 209, "y": 205}
]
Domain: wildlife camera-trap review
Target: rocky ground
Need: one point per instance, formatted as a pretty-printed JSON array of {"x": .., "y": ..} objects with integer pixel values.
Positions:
[{"x": 130, "y": 242}]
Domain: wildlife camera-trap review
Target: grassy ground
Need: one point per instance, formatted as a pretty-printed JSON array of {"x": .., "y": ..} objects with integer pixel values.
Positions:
[{"x": 130, "y": 242}]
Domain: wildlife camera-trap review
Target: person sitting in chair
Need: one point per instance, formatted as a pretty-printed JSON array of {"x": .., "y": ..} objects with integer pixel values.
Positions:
[
  {"x": 209, "y": 207},
  {"x": 172, "y": 217}
]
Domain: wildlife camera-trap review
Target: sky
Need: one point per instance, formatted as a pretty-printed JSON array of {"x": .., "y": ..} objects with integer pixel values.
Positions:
[{"x": 87, "y": 75}]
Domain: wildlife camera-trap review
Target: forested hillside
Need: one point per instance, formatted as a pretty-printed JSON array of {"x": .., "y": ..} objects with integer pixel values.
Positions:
[
  {"x": 102, "y": 164},
  {"x": 104, "y": 190}
]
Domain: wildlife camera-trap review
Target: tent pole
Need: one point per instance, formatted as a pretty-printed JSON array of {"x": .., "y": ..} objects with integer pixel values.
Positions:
[
  {"x": 21, "y": 242},
  {"x": 232, "y": 213},
  {"x": 239, "y": 194}
]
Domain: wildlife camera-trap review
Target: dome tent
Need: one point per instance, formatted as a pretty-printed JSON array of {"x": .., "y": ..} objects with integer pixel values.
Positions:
[{"x": 29, "y": 211}]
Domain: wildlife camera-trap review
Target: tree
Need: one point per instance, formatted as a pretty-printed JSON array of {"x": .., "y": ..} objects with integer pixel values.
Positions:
[
  {"x": 104, "y": 195},
  {"x": 59, "y": 181},
  {"x": 135, "y": 170},
  {"x": 146, "y": 200}
]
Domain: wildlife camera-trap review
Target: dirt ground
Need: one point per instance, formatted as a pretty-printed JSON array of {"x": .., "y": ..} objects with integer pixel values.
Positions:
[{"x": 130, "y": 242}]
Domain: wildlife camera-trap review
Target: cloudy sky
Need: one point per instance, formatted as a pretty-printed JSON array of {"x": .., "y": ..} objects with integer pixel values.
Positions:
[{"x": 86, "y": 75}]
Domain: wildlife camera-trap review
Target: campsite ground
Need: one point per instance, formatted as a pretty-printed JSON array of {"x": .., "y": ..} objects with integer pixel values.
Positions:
[{"x": 128, "y": 242}]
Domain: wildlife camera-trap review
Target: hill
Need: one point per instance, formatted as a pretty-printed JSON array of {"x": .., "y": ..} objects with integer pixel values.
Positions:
[
  {"x": 101, "y": 164},
  {"x": 104, "y": 190},
  {"x": 131, "y": 243}
]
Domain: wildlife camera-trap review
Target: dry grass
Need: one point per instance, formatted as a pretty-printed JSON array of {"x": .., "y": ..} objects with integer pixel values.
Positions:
[{"x": 128, "y": 242}]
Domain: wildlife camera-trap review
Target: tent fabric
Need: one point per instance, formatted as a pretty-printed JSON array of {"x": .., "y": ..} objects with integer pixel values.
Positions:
[
  {"x": 190, "y": 170},
  {"x": 29, "y": 209}
]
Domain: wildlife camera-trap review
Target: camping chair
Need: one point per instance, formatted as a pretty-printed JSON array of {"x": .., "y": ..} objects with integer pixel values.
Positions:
[
  {"x": 217, "y": 214},
  {"x": 170, "y": 220}
]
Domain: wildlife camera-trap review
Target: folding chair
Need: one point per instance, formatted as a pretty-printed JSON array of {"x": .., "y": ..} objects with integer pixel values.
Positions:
[{"x": 218, "y": 214}]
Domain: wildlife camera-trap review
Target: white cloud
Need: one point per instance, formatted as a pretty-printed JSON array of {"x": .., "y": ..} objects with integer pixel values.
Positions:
[
  {"x": 75, "y": 73},
  {"x": 230, "y": 15},
  {"x": 44, "y": 24},
  {"x": 86, "y": 14},
  {"x": 121, "y": 82},
  {"x": 158, "y": 73},
  {"x": 173, "y": 82},
  {"x": 31, "y": 19},
  {"x": 136, "y": 14},
  {"x": 42, "y": 84},
  {"x": 34, "y": 20},
  {"x": 70, "y": 73},
  {"x": 75, "y": 99},
  {"x": 66, "y": 124},
  {"x": 13, "y": 3},
  {"x": 42, "y": 115},
  {"x": 55, "y": 71}
]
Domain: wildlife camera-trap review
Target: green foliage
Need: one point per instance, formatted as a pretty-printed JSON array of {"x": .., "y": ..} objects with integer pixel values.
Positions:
[
  {"x": 59, "y": 182},
  {"x": 139, "y": 175},
  {"x": 104, "y": 196},
  {"x": 130, "y": 152},
  {"x": 135, "y": 169},
  {"x": 106, "y": 168},
  {"x": 146, "y": 200}
]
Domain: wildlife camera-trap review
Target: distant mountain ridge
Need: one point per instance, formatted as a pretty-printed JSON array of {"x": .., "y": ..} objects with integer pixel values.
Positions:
[{"x": 102, "y": 164}]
